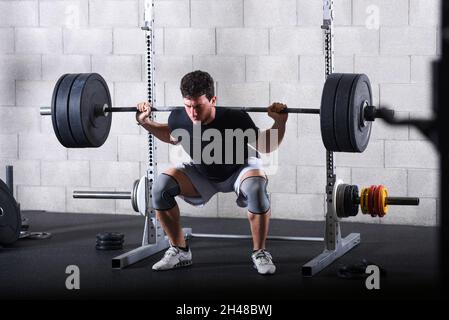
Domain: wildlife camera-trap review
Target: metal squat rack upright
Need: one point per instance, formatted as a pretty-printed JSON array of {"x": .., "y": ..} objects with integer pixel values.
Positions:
[
  {"x": 334, "y": 245},
  {"x": 154, "y": 239}
]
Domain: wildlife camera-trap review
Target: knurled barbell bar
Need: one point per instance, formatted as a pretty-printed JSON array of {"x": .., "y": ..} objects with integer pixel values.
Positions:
[{"x": 81, "y": 111}]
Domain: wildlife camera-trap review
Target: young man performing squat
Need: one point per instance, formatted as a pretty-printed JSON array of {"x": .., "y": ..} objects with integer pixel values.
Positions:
[{"x": 223, "y": 144}]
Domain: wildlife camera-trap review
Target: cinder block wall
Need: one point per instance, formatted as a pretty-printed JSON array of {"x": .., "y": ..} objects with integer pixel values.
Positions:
[{"x": 258, "y": 52}]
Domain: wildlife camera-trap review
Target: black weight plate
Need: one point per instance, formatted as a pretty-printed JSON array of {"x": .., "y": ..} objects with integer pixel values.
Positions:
[
  {"x": 61, "y": 111},
  {"x": 359, "y": 130},
  {"x": 118, "y": 247},
  {"x": 340, "y": 205},
  {"x": 349, "y": 202},
  {"x": 10, "y": 221},
  {"x": 134, "y": 196},
  {"x": 341, "y": 112},
  {"x": 53, "y": 107},
  {"x": 327, "y": 111},
  {"x": 110, "y": 236},
  {"x": 355, "y": 203},
  {"x": 109, "y": 242},
  {"x": 89, "y": 91}
]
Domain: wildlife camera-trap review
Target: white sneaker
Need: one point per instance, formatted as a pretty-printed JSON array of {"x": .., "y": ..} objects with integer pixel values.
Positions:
[
  {"x": 174, "y": 258},
  {"x": 263, "y": 262}
]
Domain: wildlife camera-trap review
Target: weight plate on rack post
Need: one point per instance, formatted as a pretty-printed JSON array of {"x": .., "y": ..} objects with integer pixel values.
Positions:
[
  {"x": 342, "y": 113},
  {"x": 53, "y": 107},
  {"x": 60, "y": 111},
  {"x": 327, "y": 111},
  {"x": 353, "y": 199},
  {"x": 340, "y": 199},
  {"x": 134, "y": 196},
  {"x": 90, "y": 92},
  {"x": 372, "y": 189},
  {"x": 359, "y": 129},
  {"x": 10, "y": 220}
]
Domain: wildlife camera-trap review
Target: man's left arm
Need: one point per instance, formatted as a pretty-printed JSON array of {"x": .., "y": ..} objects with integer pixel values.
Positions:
[{"x": 270, "y": 139}]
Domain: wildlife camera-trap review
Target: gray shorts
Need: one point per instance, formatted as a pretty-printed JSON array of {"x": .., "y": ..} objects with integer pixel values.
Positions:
[{"x": 207, "y": 188}]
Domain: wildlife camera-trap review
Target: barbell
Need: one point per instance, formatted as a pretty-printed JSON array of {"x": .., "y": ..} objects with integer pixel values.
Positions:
[
  {"x": 81, "y": 111},
  {"x": 373, "y": 200}
]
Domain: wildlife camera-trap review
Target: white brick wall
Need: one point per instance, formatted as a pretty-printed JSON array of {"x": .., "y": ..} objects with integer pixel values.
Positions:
[
  {"x": 425, "y": 12},
  {"x": 88, "y": 41},
  {"x": 388, "y": 13},
  {"x": 408, "y": 40},
  {"x": 34, "y": 93},
  {"x": 406, "y": 97},
  {"x": 241, "y": 41},
  {"x": 249, "y": 94},
  {"x": 107, "y": 13},
  {"x": 118, "y": 68},
  {"x": 65, "y": 173},
  {"x": 42, "y": 198},
  {"x": 219, "y": 13},
  {"x": 54, "y": 66},
  {"x": 26, "y": 172},
  {"x": 384, "y": 69},
  {"x": 258, "y": 52},
  {"x": 183, "y": 41},
  {"x": 20, "y": 67},
  {"x": 9, "y": 146},
  {"x": 297, "y": 206},
  {"x": 272, "y": 68},
  {"x": 295, "y": 41},
  {"x": 27, "y": 122},
  {"x": 172, "y": 13},
  {"x": 7, "y": 93},
  {"x": 38, "y": 40},
  {"x": 129, "y": 41},
  {"x": 18, "y": 13},
  {"x": 357, "y": 40},
  {"x": 222, "y": 68},
  {"x": 410, "y": 154},
  {"x": 269, "y": 13},
  {"x": 6, "y": 40},
  {"x": 70, "y": 14}
]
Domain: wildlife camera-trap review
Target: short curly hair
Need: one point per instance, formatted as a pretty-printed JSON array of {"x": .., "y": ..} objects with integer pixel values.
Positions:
[{"x": 197, "y": 83}]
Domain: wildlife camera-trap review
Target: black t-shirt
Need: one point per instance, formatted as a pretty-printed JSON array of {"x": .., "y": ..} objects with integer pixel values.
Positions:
[{"x": 219, "y": 148}]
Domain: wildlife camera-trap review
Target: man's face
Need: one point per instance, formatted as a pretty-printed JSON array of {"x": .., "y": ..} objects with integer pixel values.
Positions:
[{"x": 199, "y": 109}]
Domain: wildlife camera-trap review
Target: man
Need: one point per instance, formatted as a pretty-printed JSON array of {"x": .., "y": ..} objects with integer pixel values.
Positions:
[{"x": 235, "y": 165}]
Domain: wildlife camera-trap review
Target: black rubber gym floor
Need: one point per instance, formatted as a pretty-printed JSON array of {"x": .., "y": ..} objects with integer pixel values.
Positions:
[{"x": 221, "y": 270}]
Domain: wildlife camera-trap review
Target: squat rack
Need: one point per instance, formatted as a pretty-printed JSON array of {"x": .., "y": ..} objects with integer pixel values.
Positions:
[{"x": 154, "y": 239}]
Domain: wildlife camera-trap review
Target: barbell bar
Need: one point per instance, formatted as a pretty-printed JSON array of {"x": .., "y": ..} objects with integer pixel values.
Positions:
[
  {"x": 81, "y": 111},
  {"x": 102, "y": 110}
]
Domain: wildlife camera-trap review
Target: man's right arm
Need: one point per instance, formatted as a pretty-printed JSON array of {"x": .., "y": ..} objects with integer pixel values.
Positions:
[{"x": 159, "y": 130}]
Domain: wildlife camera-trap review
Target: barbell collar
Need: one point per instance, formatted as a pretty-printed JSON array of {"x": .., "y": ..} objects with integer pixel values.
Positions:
[
  {"x": 372, "y": 112},
  {"x": 45, "y": 111},
  {"x": 101, "y": 195}
]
